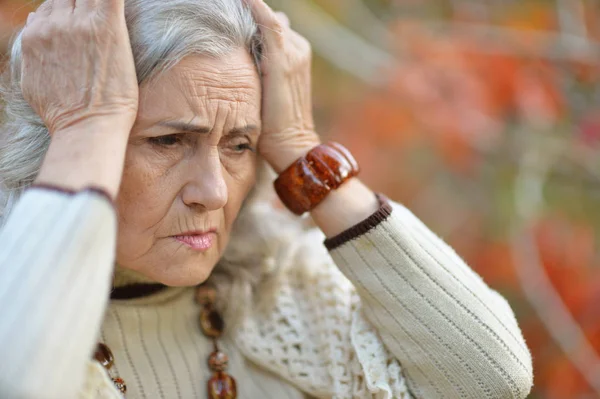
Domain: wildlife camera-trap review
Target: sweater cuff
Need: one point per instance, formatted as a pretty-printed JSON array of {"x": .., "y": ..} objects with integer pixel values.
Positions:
[
  {"x": 98, "y": 191},
  {"x": 384, "y": 211}
]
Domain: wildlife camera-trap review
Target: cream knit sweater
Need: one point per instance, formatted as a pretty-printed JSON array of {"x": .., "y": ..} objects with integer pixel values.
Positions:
[{"x": 389, "y": 311}]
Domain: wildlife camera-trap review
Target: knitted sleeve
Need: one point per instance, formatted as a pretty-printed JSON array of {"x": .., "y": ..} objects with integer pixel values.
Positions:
[
  {"x": 453, "y": 335},
  {"x": 393, "y": 313},
  {"x": 56, "y": 257}
]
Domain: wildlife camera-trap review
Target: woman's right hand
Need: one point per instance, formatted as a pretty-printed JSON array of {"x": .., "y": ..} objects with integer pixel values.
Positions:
[
  {"x": 78, "y": 74},
  {"x": 78, "y": 66}
]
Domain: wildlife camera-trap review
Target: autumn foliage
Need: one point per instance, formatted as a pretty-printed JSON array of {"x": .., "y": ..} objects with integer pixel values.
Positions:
[{"x": 446, "y": 134}]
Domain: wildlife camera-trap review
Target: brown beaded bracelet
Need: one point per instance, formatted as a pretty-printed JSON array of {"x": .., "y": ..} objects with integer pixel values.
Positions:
[{"x": 306, "y": 183}]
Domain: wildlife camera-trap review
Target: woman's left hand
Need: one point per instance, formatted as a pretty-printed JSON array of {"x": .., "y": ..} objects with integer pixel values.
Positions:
[{"x": 288, "y": 129}]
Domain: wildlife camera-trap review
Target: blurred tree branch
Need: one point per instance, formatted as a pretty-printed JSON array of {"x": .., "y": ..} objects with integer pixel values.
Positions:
[
  {"x": 335, "y": 42},
  {"x": 571, "y": 17},
  {"x": 348, "y": 51},
  {"x": 546, "y": 45},
  {"x": 535, "y": 166},
  {"x": 364, "y": 21}
]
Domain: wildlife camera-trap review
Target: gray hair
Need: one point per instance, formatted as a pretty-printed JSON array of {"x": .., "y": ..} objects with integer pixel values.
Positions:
[{"x": 162, "y": 33}]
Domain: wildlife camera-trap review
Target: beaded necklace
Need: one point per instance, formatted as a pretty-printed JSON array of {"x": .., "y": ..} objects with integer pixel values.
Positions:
[{"x": 221, "y": 385}]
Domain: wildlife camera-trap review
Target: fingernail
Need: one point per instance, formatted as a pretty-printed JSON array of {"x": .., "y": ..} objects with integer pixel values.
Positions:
[{"x": 29, "y": 17}]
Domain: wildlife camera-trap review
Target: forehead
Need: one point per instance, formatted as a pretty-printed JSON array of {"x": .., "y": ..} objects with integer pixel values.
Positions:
[{"x": 201, "y": 85}]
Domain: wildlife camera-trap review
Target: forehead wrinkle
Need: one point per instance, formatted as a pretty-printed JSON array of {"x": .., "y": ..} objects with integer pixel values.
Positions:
[
  {"x": 232, "y": 71},
  {"x": 208, "y": 86},
  {"x": 223, "y": 114},
  {"x": 217, "y": 120},
  {"x": 194, "y": 90},
  {"x": 228, "y": 86}
]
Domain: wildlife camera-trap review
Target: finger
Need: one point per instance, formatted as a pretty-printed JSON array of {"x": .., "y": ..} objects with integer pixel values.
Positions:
[
  {"x": 63, "y": 5},
  {"x": 85, "y": 5},
  {"x": 263, "y": 14},
  {"x": 111, "y": 5},
  {"x": 283, "y": 18},
  {"x": 30, "y": 18},
  {"x": 45, "y": 9},
  {"x": 270, "y": 26},
  {"x": 299, "y": 42}
]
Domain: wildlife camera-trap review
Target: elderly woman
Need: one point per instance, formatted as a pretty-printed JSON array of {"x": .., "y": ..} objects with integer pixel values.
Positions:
[{"x": 142, "y": 253}]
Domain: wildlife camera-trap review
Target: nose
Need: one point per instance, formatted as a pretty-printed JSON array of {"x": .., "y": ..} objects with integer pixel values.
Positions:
[{"x": 205, "y": 186}]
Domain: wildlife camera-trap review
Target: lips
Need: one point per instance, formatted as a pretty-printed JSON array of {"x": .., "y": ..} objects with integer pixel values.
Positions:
[{"x": 197, "y": 241}]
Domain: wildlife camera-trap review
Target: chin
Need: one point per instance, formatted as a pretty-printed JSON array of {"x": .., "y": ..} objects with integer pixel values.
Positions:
[
  {"x": 177, "y": 274},
  {"x": 173, "y": 267},
  {"x": 183, "y": 276}
]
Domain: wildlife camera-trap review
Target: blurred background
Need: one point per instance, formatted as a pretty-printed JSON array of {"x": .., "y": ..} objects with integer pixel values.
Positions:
[{"x": 483, "y": 117}]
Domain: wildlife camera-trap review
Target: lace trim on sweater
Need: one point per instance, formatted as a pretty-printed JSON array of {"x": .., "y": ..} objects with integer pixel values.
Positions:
[{"x": 316, "y": 337}]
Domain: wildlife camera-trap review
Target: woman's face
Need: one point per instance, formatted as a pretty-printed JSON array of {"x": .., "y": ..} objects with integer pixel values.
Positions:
[{"x": 191, "y": 161}]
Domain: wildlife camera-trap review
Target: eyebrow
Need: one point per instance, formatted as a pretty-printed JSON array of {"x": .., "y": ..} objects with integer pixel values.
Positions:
[{"x": 184, "y": 127}]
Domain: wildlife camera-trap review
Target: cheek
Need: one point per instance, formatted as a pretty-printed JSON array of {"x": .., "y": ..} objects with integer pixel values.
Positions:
[
  {"x": 240, "y": 181},
  {"x": 144, "y": 200}
]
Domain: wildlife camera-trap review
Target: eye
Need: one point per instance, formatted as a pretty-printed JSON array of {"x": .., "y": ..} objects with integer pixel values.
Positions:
[
  {"x": 165, "y": 141},
  {"x": 241, "y": 147}
]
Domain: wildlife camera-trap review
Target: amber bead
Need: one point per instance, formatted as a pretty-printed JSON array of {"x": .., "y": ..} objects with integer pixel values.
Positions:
[
  {"x": 218, "y": 361},
  {"x": 211, "y": 322},
  {"x": 222, "y": 386},
  {"x": 206, "y": 295},
  {"x": 120, "y": 384},
  {"x": 104, "y": 356},
  {"x": 306, "y": 183}
]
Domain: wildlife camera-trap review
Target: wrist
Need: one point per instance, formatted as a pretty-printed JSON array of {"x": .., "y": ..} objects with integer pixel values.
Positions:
[
  {"x": 347, "y": 206},
  {"x": 281, "y": 155},
  {"x": 109, "y": 125},
  {"x": 309, "y": 180},
  {"x": 89, "y": 154}
]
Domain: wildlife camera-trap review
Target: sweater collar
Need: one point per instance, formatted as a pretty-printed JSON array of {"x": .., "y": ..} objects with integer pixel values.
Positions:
[{"x": 129, "y": 284}]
